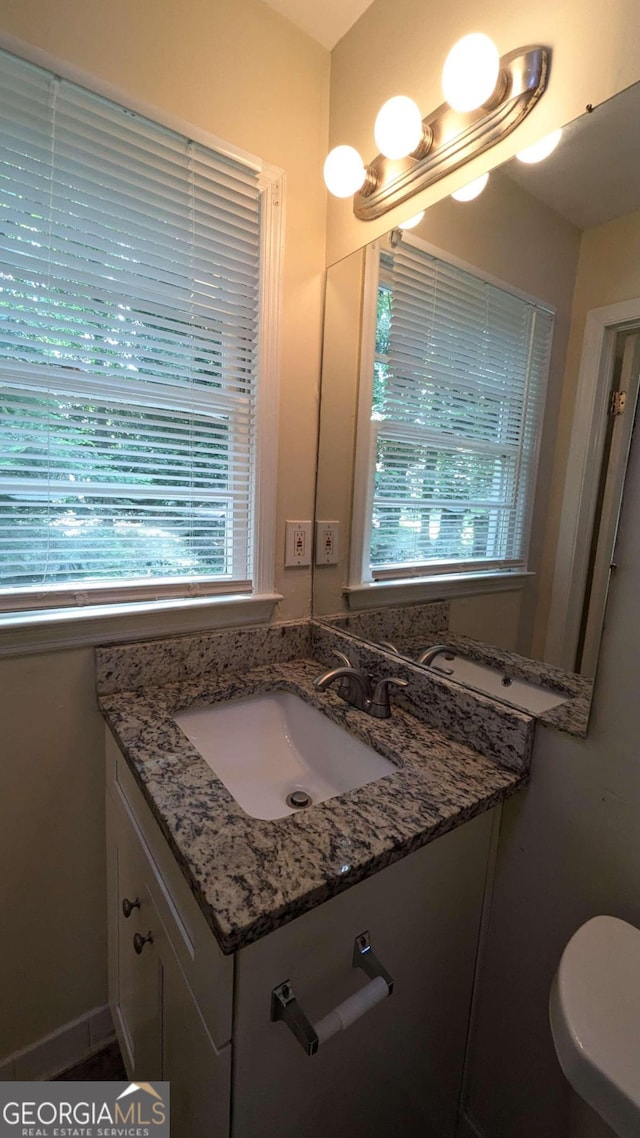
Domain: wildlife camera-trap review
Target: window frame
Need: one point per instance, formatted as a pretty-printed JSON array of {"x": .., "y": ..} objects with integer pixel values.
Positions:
[
  {"x": 185, "y": 599},
  {"x": 364, "y": 589}
]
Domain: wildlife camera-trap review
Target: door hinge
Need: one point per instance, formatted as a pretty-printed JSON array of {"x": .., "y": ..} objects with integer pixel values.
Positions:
[{"x": 617, "y": 403}]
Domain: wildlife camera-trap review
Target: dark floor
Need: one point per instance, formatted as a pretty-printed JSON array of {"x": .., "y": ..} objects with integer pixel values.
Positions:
[{"x": 106, "y": 1066}]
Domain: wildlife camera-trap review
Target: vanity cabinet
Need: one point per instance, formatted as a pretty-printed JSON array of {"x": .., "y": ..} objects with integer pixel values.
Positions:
[
  {"x": 170, "y": 987},
  {"x": 182, "y": 1008}
]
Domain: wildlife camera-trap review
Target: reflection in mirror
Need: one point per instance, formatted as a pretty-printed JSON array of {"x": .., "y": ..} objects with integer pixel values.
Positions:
[{"x": 562, "y": 237}]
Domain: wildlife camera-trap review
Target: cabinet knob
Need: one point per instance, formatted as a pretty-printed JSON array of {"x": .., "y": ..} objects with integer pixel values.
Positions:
[
  {"x": 140, "y": 941},
  {"x": 128, "y": 906}
]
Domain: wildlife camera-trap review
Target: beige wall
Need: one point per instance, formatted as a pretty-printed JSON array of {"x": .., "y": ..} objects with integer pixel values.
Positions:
[
  {"x": 241, "y": 72},
  {"x": 608, "y": 272},
  {"x": 512, "y": 237},
  {"x": 493, "y": 618},
  {"x": 399, "y": 46},
  {"x": 52, "y": 884}
]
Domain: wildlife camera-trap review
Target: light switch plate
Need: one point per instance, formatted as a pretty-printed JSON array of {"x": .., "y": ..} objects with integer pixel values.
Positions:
[{"x": 298, "y": 544}]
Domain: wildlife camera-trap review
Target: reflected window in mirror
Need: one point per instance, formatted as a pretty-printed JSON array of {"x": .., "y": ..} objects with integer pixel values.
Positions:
[{"x": 451, "y": 422}]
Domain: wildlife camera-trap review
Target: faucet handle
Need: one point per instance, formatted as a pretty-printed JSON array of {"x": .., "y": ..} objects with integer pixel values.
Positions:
[
  {"x": 346, "y": 662},
  {"x": 380, "y": 705}
]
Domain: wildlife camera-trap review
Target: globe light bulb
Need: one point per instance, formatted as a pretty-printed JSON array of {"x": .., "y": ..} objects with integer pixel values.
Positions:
[
  {"x": 471, "y": 190},
  {"x": 344, "y": 171},
  {"x": 470, "y": 72},
  {"x": 398, "y": 127},
  {"x": 411, "y": 222},
  {"x": 540, "y": 150}
]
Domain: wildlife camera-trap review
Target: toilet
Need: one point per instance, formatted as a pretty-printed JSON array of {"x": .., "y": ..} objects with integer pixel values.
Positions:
[{"x": 594, "y": 1009}]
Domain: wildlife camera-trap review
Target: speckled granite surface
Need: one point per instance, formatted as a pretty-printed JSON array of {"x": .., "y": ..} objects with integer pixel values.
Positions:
[
  {"x": 396, "y": 623},
  {"x": 151, "y": 663},
  {"x": 252, "y": 876},
  {"x": 572, "y": 716},
  {"x": 410, "y": 639},
  {"x": 492, "y": 727}
]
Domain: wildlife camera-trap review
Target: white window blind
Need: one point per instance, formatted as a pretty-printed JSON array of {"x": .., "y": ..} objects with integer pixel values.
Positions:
[
  {"x": 129, "y": 288},
  {"x": 457, "y": 408}
]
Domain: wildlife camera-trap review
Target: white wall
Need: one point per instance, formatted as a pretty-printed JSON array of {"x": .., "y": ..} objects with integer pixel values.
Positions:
[
  {"x": 569, "y": 845},
  {"x": 399, "y": 47},
  {"x": 236, "y": 69}
]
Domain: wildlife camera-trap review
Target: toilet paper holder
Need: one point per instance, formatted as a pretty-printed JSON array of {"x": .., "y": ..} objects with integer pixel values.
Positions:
[{"x": 285, "y": 1007}]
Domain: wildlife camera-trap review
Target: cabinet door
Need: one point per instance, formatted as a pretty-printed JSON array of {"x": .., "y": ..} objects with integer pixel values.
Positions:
[
  {"x": 162, "y": 1030},
  {"x": 396, "y": 1071},
  {"x": 200, "y": 1076},
  {"x": 208, "y": 972},
  {"x": 135, "y": 978}
]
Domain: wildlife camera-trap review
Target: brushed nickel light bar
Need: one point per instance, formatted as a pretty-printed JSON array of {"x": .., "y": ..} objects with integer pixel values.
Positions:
[
  {"x": 456, "y": 136},
  {"x": 487, "y": 98}
]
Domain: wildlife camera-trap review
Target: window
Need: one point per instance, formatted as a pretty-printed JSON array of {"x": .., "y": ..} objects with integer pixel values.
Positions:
[
  {"x": 130, "y": 289},
  {"x": 457, "y": 401}
]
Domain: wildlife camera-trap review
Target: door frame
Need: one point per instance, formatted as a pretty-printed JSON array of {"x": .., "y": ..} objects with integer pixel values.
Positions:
[{"x": 583, "y": 477}]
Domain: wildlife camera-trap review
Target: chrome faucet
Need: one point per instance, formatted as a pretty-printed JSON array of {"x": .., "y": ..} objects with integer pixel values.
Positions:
[
  {"x": 355, "y": 688},
  {"x": 428, "y": 656},
  {"x": 380, "y": 705}
]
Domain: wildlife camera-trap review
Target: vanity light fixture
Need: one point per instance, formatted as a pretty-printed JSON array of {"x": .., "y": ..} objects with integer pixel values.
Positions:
[
  {"x": 411, "y": 222},
  {"x": 471, "y": 190},
  {"x": 494, "y": 95},
  {"x": 344, "y": 171},
  {"x": 398, "y": 129},
  {"x": 540, "y": 150},
  {"x": 470, "y": 72}
]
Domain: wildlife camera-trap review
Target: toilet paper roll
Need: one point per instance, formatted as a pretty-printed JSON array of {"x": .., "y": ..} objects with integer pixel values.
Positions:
[{"x": 351, "y": 1009}]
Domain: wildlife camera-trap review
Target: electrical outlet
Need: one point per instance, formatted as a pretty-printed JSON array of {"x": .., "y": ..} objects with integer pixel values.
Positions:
[
  {"x": 298, "y": 544},
  {"x": 327, "y": 543}
]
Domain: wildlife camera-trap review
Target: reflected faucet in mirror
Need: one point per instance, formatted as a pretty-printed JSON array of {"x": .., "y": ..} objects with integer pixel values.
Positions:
[{"x": 427, "y": 657}]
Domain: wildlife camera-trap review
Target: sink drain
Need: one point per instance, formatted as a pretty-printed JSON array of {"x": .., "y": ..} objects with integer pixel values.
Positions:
[{"x": 298, "y": 799}]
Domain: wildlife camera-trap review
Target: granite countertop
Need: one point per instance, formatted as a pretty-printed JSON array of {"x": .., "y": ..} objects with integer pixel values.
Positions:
[
  {"x": 572, "y": 716},
  {"x": 251, "y": 876},
  {"x": 413, "y": 627}
]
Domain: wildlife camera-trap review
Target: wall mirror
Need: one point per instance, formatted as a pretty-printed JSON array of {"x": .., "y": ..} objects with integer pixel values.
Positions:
[{"x": 566, "y": 234}]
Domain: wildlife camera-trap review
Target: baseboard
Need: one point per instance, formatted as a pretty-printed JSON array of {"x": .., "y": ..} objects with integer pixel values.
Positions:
[
  {"x": 466, "y": 1128},
  {"x": 60, "y": 1050}
]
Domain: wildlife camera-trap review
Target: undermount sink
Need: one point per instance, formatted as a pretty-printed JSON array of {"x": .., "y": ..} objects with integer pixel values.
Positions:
[
  {"x": 494, "y": 681},
  {"x": 270, "y": 747}
]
